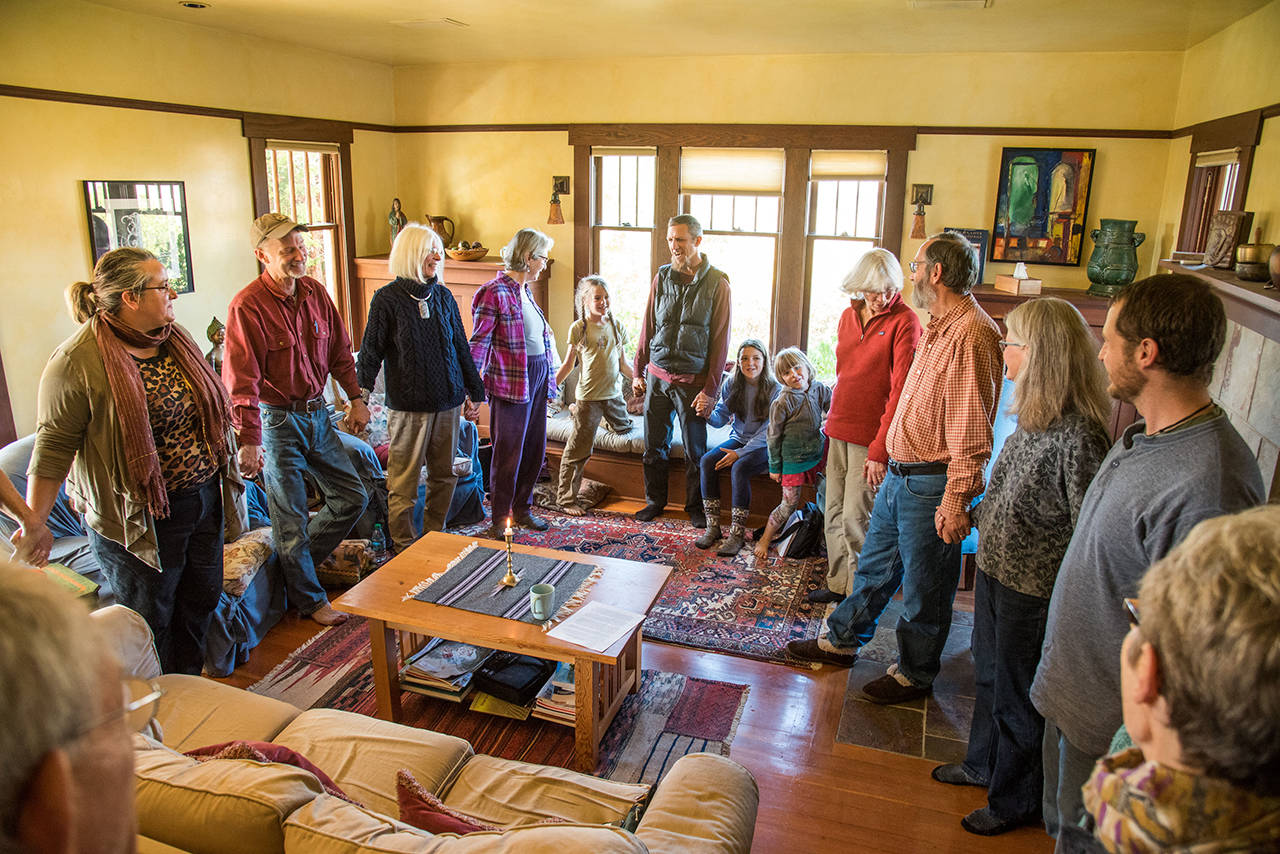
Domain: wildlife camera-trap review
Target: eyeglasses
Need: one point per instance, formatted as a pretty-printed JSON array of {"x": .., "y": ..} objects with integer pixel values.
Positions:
[
  {"x": 141, "y": 699},
  {"x": 1131, "y": 606},
  {"x": 167, "y": 286},
  {"x": 1004, "y": 344},
  {"x": 539, "y": 257}
]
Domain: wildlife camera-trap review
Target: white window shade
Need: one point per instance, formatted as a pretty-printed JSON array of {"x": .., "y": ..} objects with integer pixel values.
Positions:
[
  {"x": 621, "y": 151},
  {"x": 731, "y": 170},
  {"x": 1217, "y": 158},
  {"x": 848, "y": 164},
  {"x": 285, "y": 145}
]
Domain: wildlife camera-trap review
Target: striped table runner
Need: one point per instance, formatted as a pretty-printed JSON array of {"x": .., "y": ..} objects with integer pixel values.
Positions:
[{"x": 472, "y": 583}]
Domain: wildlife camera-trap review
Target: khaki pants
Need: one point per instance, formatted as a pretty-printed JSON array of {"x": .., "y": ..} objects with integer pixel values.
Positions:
[
  {"x": 419, "y": 438},
  {"x": 577, "y": 450},
  {"x": 849, "y": 502}
]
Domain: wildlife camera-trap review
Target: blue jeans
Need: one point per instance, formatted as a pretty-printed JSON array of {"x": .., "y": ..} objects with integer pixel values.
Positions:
[
  {"x": 903, "y": 548},
  {"x": 745, "y": 467},
  {"x": 1007, "y": 735},
  {"x": 295, "y": 444},
  {"x": 177, "y": 602}
]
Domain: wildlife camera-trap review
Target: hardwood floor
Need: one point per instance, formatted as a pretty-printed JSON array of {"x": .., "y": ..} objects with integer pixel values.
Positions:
[{"x": 815, "y": 795}]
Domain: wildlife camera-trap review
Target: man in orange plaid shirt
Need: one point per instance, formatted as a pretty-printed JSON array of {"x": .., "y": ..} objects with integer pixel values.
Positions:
[{"x": 939, "y": 443}]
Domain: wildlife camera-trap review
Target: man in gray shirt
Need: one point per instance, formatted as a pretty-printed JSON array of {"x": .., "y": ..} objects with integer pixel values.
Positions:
[{"x": 1182, "y": 463}]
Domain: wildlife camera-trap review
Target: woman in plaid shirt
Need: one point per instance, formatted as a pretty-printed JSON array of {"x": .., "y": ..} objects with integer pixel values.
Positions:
[{"x": 515, "y": 352}]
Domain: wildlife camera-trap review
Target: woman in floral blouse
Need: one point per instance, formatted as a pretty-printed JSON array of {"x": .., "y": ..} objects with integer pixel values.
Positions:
[{"x": 1026, "y": 519}]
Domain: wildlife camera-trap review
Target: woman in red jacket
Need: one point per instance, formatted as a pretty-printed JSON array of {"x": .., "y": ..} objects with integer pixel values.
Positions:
[{"x": 874, "y": 348}]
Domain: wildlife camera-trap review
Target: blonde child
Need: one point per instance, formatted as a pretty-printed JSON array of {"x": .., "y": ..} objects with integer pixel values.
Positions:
[
  {"x": 597, "y": 341},
  {"x": 795, "y": 436}
]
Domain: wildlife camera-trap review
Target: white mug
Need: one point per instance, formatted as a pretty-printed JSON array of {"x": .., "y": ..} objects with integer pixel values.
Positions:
[{"x": 540, "y": 596}]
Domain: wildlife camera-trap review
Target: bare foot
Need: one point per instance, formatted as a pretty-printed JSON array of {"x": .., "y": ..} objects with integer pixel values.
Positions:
[
  {"x": 761, "y": 552},
  {"x": 326, "y": 616},
  {"x": 572, "y": 509}
]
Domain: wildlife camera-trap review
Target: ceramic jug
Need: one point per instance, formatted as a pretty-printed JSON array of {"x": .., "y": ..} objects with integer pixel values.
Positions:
[
  {"x": 442, "y": 226},
  {"x": 1114, "y": 262}
]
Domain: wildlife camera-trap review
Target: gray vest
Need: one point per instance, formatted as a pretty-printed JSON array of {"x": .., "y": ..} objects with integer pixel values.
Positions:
[{"x": 682, "y": 320}]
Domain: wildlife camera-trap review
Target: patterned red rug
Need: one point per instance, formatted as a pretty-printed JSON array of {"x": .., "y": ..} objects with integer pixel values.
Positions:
[
  {"x": 727, "y": 605},
  {"x": 670, "y": 716}
]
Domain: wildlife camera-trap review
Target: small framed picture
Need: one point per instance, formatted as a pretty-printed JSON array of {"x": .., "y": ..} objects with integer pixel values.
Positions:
[
  {"x": 979, "y": 237},
  {"x": 151, "y": 215}
]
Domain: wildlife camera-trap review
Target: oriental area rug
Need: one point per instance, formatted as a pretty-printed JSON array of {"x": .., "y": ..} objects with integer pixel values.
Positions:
[
  {"x": 670, "y": 716},
  {"x": 722, "y": 604}
]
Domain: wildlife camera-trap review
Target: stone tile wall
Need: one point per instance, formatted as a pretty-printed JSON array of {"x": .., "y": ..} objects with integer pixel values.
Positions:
[{"x": 1246, "y": 383}]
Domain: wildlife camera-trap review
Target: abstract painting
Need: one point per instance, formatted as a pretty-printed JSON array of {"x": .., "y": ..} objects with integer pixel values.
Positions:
[{"x": 1042, "y": 200}]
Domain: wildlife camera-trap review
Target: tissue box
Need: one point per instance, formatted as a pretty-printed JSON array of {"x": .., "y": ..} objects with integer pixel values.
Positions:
[{"x": 1022, "y": 287}]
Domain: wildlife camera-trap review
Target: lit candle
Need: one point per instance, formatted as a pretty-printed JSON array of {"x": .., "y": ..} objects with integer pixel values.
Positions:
[{"x": 508, "y": 532}]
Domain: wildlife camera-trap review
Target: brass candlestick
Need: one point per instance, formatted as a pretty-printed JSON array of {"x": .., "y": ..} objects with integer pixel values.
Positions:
[{"x": 509, "y": 580}]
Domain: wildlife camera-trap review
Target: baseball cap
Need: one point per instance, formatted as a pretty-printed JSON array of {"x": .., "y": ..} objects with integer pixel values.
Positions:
[{"x": 271, "y": 225}]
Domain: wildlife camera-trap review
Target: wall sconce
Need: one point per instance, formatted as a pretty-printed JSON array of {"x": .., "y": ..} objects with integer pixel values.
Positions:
[
  {"x": 921, "y": 195},
  {"x": 559, "y": 184}
]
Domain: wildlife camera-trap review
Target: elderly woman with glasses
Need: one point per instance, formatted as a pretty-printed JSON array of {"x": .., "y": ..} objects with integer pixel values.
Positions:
[
  {"x": 514, "y": 350},
  {"x": 415, "y": 336},
  {"x": 1026, "y": 519},
  {"x": 875, "y": 343},
  {"x": 134, "y": 419}
]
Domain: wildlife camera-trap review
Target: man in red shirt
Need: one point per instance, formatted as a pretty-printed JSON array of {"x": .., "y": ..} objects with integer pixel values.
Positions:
[{"x": 284, "y": 339}]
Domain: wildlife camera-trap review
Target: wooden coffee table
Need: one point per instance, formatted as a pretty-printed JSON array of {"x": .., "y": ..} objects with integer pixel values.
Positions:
[{"x": 398, "y": 628}]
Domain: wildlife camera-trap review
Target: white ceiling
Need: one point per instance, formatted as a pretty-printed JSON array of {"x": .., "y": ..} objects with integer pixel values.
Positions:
[{"x": 412, "y": 32}]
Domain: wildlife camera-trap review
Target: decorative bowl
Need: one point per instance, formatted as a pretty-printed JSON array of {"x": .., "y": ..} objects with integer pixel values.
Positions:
[{"x": 467, "y": 254}]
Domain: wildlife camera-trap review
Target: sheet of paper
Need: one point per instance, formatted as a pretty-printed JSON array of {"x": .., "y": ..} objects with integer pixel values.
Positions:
[{"x": 596, "y": 626}]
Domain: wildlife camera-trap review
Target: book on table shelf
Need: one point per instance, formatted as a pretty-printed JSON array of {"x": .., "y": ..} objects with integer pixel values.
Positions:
[
  {"x": 489, "y": 704},
  {"x": 443, "y": 669},
  {"x": 555, "y": 702}
]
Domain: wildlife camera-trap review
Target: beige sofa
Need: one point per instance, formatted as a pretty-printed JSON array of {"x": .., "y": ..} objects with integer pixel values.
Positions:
[{"x": 706, "y": 803}]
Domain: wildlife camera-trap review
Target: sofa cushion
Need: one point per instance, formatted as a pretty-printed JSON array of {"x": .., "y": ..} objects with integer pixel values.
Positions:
[
  {"x": 265, "y": 751},
  {"x": 560, "y": 425},
  {"x": 724, "y": 819},
  {"x": 510, "y": 793},
  {"x": 199, "y": 711},
  {"x": 363, "y": 754},
  {"x": 242, "y": 559},
  {"x": 425, "y": 811},
  {"x": 225, "y": 805},
  {"x": 328, "y": 825},
  {"x": 130, "y": 638}
]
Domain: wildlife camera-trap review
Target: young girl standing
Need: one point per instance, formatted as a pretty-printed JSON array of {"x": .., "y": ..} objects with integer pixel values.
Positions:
[
  {"x": 597, "y": 340},
  {"x": 745, "y": 397},
  {"x": 795, "y": 436}
]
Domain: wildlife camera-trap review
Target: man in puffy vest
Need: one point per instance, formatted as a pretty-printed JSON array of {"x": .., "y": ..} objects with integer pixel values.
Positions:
[{"x": 680, "y": 356}]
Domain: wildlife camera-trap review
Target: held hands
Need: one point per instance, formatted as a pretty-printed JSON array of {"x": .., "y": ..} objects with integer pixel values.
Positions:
[
  {"x": 775, "y": 476},
  {"x": 470, "y": 410},
  {"x": 951, "y": 527},
  {"x": 251, "y": 460},
  {"x": 703, "y": 404},
  {"x": 873, "y": 473},
  {"x": 729, "y": 458},
  {"x": 357, "y": 416},
  {"x": 32, "y": 543},
  {"x": 637, "y": 387}
]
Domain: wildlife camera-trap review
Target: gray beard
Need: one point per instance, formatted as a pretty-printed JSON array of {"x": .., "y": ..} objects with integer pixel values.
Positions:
[
  {"x": 922, "y": 297},
  {"x": 683, "y": 265}
]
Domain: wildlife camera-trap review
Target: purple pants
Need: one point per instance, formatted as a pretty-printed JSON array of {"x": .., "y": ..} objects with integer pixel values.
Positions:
[{"x": 519, "y": 435}]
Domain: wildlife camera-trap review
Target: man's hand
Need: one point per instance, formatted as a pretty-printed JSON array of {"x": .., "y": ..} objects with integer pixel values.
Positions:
[
  {"x": 951, "y": 527},
  {"x": 775, "y": 476},
  {"x": 729, "y": 458},
  {"x": 357, "y": 416},
  {"x": 703, "y": 404},
  {"x": 470, "y": 411},
  {"x": 251, "y": 460},
  {"x": 32, "y": 543},
  {"x": 637, "y": 387},
  {"x": 873, "y": 473}
]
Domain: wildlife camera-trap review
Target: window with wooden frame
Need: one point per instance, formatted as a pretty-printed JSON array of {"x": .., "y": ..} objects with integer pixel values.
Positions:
[
  {"x": 1213, "y": 189},
  {"x": 736, "y": 194},
  {"x": 622, "y": 230},
  {"x": 846, "y": 218}
]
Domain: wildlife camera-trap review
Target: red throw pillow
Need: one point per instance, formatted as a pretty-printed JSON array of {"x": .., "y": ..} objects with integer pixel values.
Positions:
[
  {"x": 424, "y": 810},
  {"x": 265, "y": 751}
]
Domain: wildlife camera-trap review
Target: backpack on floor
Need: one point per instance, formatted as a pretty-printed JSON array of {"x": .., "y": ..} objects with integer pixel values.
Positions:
[{"x": 803, "y": 535}]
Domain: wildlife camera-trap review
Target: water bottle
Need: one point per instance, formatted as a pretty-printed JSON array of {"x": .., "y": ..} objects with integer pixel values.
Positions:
[{"x": 378, "y": 542}]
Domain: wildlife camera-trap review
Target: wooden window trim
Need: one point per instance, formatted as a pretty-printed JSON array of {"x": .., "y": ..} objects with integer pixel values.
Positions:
[{"x": 1242, "y": 131}]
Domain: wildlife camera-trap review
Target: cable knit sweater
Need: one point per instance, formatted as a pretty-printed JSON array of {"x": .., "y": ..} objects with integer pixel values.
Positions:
[{"x": 428, "y": 366}]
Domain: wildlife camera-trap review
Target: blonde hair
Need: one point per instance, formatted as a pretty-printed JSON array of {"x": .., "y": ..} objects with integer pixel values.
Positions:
[
  {"x": 877, "y": 272},
  {"x": 528, "y": 241},
  {"x": 582, "y": 293},
  {"x": 788, "y": 358},
  {"x": 116, "y": 273},
  {"x": 410, "y": 249},
  {"x": 1060, "y": 372},
  {"x": 1209, "y": 610}
]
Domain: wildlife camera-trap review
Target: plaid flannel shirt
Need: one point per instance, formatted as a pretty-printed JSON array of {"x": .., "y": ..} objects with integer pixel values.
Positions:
[{"x": 497, "y": 341}]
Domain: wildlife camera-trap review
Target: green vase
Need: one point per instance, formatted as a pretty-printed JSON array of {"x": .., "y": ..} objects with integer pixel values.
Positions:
[{"x": 1114, "y": 261}]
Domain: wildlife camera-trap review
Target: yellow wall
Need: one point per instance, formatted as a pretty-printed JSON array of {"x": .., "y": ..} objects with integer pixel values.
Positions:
[{"x": 491, "y": 185}]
